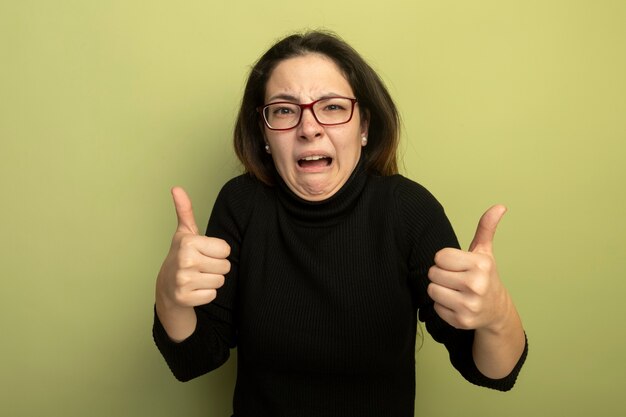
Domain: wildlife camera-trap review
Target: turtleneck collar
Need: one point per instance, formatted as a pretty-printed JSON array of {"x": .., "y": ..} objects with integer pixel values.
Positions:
[{"x": 327, "y": 211}]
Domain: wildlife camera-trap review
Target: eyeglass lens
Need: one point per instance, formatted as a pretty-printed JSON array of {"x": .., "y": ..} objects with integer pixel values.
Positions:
[{"x": 330, "y": 111}]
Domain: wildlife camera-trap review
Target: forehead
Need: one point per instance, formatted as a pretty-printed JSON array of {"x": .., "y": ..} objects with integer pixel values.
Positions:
[{"x": 307, "y": 77}]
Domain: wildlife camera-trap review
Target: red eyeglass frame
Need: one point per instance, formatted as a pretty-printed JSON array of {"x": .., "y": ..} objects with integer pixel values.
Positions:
[{"x": 261, "y": 109}]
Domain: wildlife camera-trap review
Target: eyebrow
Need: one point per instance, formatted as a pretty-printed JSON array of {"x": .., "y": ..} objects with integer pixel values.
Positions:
[
  {"x": 294, "y": 99},
  {"x": 287, "y": 97}
]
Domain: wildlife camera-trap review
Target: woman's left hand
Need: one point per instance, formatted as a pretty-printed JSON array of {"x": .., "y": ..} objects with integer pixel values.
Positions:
[{"x": 466, "y": 287}]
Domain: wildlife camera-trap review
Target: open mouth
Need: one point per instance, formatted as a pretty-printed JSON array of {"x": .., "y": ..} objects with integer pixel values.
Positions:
[{"x": 315, "y": 161}]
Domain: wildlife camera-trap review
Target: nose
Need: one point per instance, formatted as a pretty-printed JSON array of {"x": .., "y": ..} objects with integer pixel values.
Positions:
[{"x": 309, "y": 127}]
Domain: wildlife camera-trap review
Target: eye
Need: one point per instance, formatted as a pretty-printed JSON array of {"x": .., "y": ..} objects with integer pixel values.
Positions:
[
  {"x": 282, "y": 110},
  {"x": 333, "y": 106}
]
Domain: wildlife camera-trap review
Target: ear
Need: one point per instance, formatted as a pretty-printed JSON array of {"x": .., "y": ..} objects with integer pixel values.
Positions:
[
  {"x": 262, "y": 129},
  {"x": 365, "y": 122},
  {"x": 263, "y": 133}
]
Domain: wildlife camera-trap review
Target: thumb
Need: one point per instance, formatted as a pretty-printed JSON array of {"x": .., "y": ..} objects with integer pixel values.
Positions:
[
  {"x": 184, "y": 211},
  {"x": 486, "y": 230}
]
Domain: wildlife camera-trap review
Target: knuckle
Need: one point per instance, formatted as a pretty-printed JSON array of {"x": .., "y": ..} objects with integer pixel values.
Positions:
[
  {"x": 219, "y": 247},
  {"x": 185, "y": 260},
  {"x": 478, "y": 285},
  {"x": 473, "y": 306},
  {"x": 437, "y": 258},
  {"x": 219, "y": 281},
  {"x": 187, "y": 241},
  {"x": 431, "y": 291},
  {"x": 225, "y": 248},
  {"x": 211, "y": 295},
  {"x": 226, "y": 266},
  {"x": 181, "y": 279},
  {"x": 484, "y": 263},
  {"x": 180, "y": 297},
  {"x": 465, "y": 322},
  {"x": 441, "y": 255},
  {"x": 432, "y": 272},
  {"x": 218, "y": 266}
]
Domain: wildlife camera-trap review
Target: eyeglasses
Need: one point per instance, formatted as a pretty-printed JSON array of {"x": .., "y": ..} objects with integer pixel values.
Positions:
[{"x": 330, "y": 111}]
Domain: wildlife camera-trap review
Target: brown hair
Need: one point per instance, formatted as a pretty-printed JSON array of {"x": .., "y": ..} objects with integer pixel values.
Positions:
[{"x": 374, "y": 102}]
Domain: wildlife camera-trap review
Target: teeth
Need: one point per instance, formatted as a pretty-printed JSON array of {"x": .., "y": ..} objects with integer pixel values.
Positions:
[{"x": 314, "y": 158}]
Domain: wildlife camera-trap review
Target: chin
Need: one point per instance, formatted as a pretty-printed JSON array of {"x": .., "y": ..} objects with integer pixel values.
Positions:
[{"x": 318, "y": 192}]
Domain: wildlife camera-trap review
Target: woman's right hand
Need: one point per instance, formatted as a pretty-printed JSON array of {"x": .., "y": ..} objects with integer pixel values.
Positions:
[{"x": 191, "y": 274}]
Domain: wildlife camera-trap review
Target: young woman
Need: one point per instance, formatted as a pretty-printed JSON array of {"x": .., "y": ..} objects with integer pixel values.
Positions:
[{"x": 319, "y": 259}]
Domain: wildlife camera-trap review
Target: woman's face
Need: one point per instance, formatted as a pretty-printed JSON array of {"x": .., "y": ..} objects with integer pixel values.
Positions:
[{"x": 315, "y": 161}]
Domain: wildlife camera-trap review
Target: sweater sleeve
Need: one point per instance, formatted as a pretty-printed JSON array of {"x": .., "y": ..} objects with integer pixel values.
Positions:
[
  {"x": 428, "y": 230},
  {"x": 208, "y": 347}
]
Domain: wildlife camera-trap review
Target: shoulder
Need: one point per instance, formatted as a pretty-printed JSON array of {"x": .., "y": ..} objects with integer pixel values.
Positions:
[
  {"x": 419, "y": 217},
  {"x": 243, "y": 183},
  {"x": 408, "y": 196},
  {"x": 239, "y": 192},
  {"x": 235, "y": 201}
]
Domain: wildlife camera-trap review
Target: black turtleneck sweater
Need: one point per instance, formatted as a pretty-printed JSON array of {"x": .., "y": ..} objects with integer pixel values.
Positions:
[{"x": 322, "y": 299}]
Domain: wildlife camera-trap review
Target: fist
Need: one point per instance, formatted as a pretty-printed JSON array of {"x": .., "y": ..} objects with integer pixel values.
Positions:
[
  {"x": 195, "y": 266},
  {"x": 465, "y": 286}
]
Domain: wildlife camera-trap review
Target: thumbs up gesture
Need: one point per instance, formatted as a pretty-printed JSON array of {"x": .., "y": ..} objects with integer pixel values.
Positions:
[
  {"x": 192, "y": 271},
  {"x": 465, "y": 286}
]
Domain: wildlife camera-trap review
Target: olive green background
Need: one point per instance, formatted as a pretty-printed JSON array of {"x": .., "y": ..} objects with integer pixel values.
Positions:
[{"x": 106, "y": 105}]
